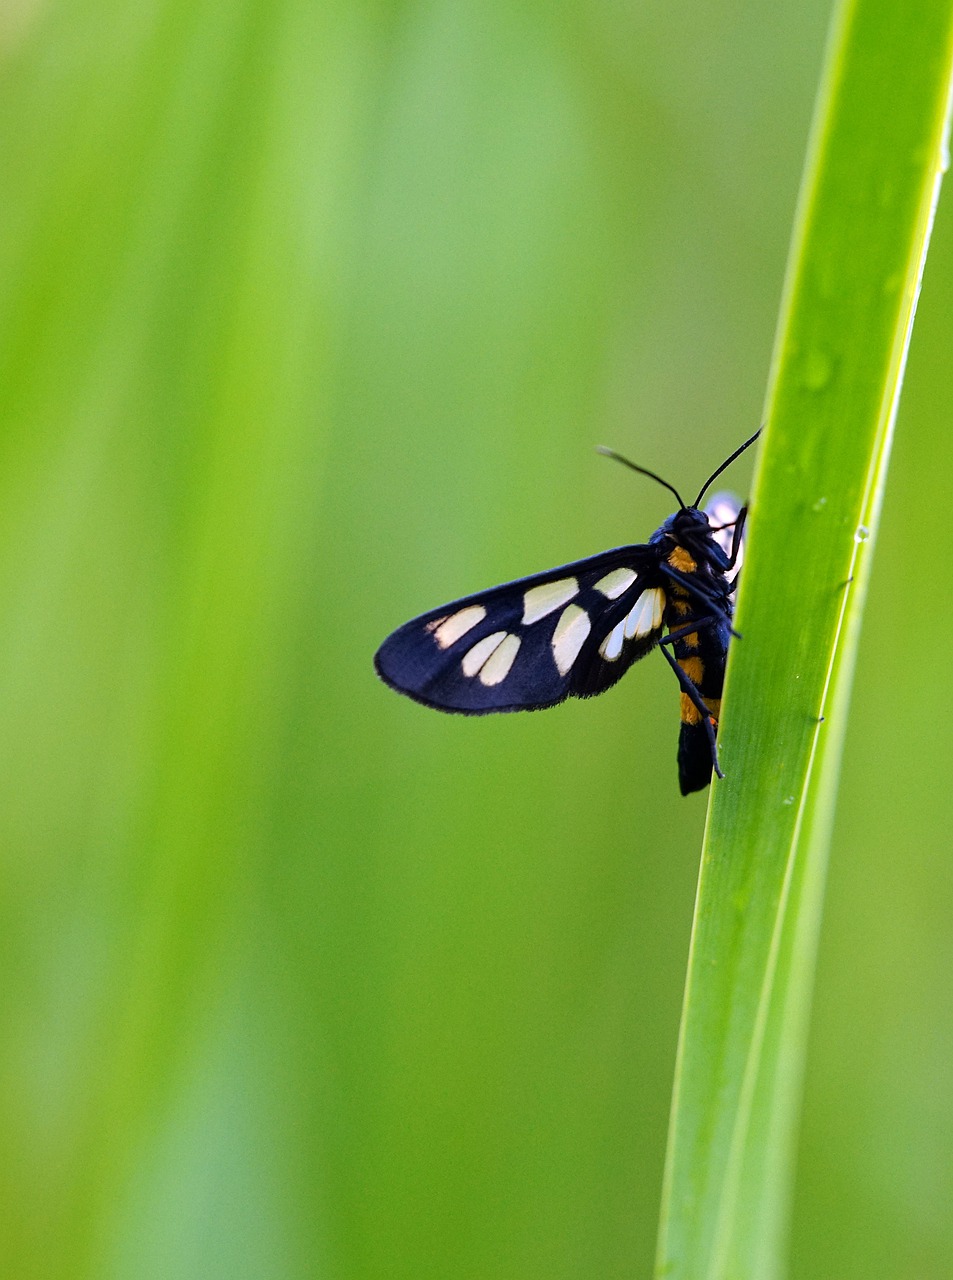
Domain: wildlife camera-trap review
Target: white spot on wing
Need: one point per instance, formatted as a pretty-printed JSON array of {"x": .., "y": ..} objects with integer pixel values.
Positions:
[
  {"x": 639, "y": 618},
  {"x": 569, "y": 637},
  {"x": 614, "y": 583},
  {"x": 497, "y": 666},
  {"x": 539, "y": 602},
  {"x": 450, "y": 629},
  {"x": 474, "y": 658},
  {"x": 611, "y": 647},
  {"x": 645, "y": 615}
]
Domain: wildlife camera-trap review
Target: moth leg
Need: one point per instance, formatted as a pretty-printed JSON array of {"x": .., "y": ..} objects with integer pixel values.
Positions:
[
  {"x": 737, "y": 536},
  {"x": 694, "y": 590},
  {"x": 687, "y": 630},
  {"x": 691, "y": 689}
]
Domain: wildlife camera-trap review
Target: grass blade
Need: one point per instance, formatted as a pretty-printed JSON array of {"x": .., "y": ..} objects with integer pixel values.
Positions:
[{"x": 867, "y": 201}]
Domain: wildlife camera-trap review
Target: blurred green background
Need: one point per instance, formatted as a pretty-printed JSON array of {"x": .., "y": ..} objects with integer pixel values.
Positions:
[{"x": 310, "y": 316}]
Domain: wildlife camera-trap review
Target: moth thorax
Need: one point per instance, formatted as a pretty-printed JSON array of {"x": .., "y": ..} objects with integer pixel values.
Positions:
[{"x": 682, "y": 560}]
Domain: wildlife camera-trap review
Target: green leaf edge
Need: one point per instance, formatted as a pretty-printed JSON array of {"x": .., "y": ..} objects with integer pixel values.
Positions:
[{"x": 830, "y": 419}]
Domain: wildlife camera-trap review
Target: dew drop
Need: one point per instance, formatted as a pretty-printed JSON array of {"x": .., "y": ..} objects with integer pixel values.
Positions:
[
  {"x": 862, "y": 534},
  {"x": 819, "y": 505},
  {"x": 788, "y": 800}
]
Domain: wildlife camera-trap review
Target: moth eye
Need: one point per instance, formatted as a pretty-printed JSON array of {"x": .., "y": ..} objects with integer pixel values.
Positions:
[
  {"x": 570, "y": 635},
  {"x": 539, "y": 602}
]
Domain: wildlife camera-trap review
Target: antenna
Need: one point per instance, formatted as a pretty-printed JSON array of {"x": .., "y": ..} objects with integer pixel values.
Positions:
[
  {"x": 727, "y": 463},
  {"x": 611, "y": 453}
]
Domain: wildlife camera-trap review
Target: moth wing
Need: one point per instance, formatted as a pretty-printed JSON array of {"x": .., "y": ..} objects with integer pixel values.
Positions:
[
  {"x": 722, "y": 510},
  {"x": 531, "y": 643}
]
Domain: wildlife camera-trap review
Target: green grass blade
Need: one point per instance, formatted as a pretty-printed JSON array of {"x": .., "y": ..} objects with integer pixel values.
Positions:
[{"x": 866, "y": 208}]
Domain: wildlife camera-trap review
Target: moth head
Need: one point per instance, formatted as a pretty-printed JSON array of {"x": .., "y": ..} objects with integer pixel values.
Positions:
[{"x": 689, "y": 524}]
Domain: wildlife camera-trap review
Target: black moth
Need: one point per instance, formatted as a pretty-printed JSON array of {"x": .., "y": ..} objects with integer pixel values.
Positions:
[{"x": 574, "y": 631}]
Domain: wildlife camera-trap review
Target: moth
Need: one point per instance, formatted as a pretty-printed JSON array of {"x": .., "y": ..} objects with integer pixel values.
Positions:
[{"x": 574, "y": 631}]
